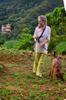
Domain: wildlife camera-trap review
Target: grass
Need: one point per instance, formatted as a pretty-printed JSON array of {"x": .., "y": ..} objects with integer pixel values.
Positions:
[{"x": 17, "y": 82}]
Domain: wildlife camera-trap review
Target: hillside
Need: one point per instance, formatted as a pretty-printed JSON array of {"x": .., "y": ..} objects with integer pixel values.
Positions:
[
  {"x": 21, "y": 13},
  {"x": 57, "y": 22}
]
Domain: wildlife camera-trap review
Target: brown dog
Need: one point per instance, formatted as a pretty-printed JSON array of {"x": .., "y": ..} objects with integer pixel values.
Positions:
[{"x": 56, "y": 70}]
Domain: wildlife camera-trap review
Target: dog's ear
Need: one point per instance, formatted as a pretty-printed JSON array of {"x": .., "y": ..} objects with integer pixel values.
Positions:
[{"x": 54, "y": 53}]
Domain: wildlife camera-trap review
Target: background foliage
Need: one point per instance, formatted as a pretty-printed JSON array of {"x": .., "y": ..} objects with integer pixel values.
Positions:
[{"x": 23, "y": 17}]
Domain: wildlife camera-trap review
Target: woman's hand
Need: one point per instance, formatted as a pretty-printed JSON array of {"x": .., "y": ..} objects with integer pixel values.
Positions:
[
  {"x": 44, "y": 42},
  {"x": 39, "y": 45},
  {"x": 34, "y": 37}
]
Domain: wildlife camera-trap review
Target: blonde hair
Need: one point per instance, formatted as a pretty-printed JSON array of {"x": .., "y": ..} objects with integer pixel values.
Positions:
[{"x": 43, "y": 18}]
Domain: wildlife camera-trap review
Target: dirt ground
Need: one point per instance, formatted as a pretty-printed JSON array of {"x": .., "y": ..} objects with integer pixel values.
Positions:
[{"x": 16, "y": 75}]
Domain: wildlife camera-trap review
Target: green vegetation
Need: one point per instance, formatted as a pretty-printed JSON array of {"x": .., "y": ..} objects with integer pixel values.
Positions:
[
  {"x": 24, "y": 41},
  {"x": 23, "y": 17},
  {"x": 57, "y": 20},
  {"x": 22, "y": 13},
  {"x": 61, "y": 48},
  {"x": 17, "y": 82}
]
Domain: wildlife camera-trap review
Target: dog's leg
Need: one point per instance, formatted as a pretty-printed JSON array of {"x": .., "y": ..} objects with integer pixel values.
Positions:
[{"x": 60, "y": 76}]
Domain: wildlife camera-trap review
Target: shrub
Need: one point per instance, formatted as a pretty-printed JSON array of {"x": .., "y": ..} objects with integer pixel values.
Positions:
[
  {"x": 61, "y": 48},
  {"x": 24, "y": 42},
  {"x": 10, "y": 44}
]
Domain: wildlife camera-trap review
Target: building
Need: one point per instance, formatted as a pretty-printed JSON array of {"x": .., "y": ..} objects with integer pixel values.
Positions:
[{"x": 6, "y": 28}]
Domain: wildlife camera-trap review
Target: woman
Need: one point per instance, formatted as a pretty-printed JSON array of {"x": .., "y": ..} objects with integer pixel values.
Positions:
[{"x": 41, "y": 37}]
